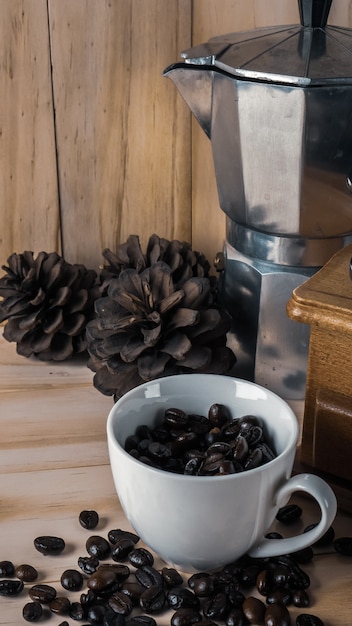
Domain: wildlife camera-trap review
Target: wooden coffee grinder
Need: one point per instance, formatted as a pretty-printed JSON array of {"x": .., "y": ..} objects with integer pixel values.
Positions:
[{"x": 324, "y": 302}]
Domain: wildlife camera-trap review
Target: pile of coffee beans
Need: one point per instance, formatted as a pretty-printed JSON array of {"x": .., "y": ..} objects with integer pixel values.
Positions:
[
  {"x": 198, "y": 445},
  {"x": 121, "y": 586}
]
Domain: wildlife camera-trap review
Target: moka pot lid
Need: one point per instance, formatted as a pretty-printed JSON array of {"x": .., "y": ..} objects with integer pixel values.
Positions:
[{"x": 306, "y": 54}]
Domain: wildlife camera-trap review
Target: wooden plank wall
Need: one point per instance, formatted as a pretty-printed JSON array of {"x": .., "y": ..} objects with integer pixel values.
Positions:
[{"x": 94, "y": 143}]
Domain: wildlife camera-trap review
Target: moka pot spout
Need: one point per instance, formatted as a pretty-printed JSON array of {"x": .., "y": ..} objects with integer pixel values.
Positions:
[{"x": 195, "y": 84}]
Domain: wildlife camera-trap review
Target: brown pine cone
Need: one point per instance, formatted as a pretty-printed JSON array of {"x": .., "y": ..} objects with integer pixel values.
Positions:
[
  {"x": 47, "y": 303},
  {"x": 147, "y": 327},
  {"x": 183, "y": 261}
]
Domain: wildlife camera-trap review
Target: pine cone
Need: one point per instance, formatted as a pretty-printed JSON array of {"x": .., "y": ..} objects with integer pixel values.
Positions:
[
  {"x": 183, "y": 261},
  {"x": 47, "y": 303},
  {"x": 147, "y": 327}
]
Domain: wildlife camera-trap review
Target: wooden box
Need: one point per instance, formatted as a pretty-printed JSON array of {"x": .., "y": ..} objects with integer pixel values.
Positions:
[{"x": 325, "y": 303}]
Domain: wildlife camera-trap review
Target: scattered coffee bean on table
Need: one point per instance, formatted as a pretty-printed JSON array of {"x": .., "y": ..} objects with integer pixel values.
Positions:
[
  {"x": 27, "y": 573},
  {"x": 306, "y": 619},
  {"x": 49, "y": 545},
  {"x": 117, "y": 592},
  {"x": 7, "y": 568},
  {"x": 32, "y": 611},
  {"x": 88, "y": 519},
  {"x": 289, "y": 514}
]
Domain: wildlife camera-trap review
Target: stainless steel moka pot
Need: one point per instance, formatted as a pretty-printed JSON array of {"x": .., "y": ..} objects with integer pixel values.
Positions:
[{"x": 276, "y": 104}]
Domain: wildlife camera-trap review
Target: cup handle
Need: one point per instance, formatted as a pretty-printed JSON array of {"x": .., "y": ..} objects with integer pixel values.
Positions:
[{"x": 325, "y": 497}]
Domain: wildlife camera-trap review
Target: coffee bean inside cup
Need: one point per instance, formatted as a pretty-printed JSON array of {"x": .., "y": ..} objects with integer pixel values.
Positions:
[{"x": 198, "y": 445}]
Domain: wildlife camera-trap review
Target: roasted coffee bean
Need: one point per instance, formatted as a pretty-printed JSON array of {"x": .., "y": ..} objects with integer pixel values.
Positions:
[
  {"x": 64, "y": 623},
  {"x": 7, "y": 568},
  {"x": 303, "y": 556},
  {"x": 133, "y": 590},
  {"x": 300, "y": 598},
  {"x": 176, "y": 418},
  {"x": 298, "y": 578},
  {"x": 60, "y": 605},
  {"x": 42, "y": 593},
  {"x": 249, "y": 574},
  {"x": 307, "y": 619},
  {"x": 143, "y": 446},
  {"x": 240, "y": 448},
  {"x": 96, "y": 614},
  {"x": 120, "y": 570},
  {"x": 223, "y": 579},
  {"x": 343, "y": 546},
  {"x": 159, "y": 452},
  {"x": 77, "y": 611},
  {"x": 115, "y": 534},
  {"x": 199, "y": 424},
  {"x": 216, "y": 607},
  {"x": 212, "y": 466},
  {"x": 88, "y": 519},
  {"x": 274, "y": 535},
  {"x": 277, "y": 615},
  {"x": 264, "y": 582},
  {"x": 113, "y": 619},
  {"x": 235, "y": 597},
  {"x": 32, "y": 611},
  {"x": 254, "y": 459},
  {"x": 254, "y": 610},
  {"x": 143, "y": 432},
  {"x": 148, "y": 576},
  {"x": 182, "y": 443},
  {"x": 27, "y": 573},
  {"x": 48, "y": 545},
  {"x": 202, "y": 584},
  {"x": 185, "y": 617},
  {"x": 283, "y": 596},
  {"x": 326, "y": 539},
  {"x": 72, "y": 580},
  {"x": 252, "y": 434},
  {"x": 141, "y": 620},
  {"x": 289, "y": 514},
  {"x": 10, "y": 587},
  {"x": 230, "y": 431},
  {"x": 281, "y": 575},
  {"x": 220, "y": 447},
  {"x": 120, "y": 603},
  {"x": 250, "y": 420},
  {"x": 101, "y": 579},
  {"x": 88, "y": 564},
  {"x": 236, "y": 617},
  {"x": 98, "y": 546},
  {"x": 152, "y": 599},
  {"x": 131, "y": 443},
  {"x": 219, "y": 414},
  {"x": 171, "y": 576},
  {"x": 140, "y": 557},
  {"x": 121, "y": 549},
  {"x": 177, "y": 598},
  {"x": 87, "y": 599},
  {"x": 267, "y": 452}
]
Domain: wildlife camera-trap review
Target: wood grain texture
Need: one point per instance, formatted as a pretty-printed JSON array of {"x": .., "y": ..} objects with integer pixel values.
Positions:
[
  {"x": 29, "y": 210},
  {"x": 123, "y": 137},
  {"x": 54, "y": 463}
]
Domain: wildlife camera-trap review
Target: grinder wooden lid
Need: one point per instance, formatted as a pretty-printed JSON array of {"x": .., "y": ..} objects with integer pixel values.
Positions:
[{"x": 325, "y": 299}]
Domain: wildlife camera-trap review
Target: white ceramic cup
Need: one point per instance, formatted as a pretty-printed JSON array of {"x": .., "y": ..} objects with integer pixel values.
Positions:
[{"x": 200, "y": 523}]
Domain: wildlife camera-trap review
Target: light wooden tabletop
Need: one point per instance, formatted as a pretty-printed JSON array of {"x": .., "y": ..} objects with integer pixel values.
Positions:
[{"x": 54, "y": 463}]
